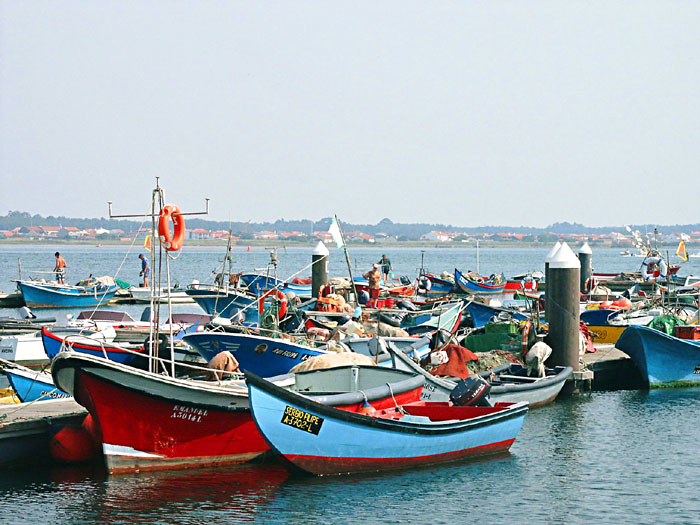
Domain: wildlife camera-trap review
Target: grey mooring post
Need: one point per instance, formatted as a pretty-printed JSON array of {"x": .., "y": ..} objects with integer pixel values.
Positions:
[
  {"x": 585, "y": 255},
  {"x": 563, "y": 298},
  {"x": 319, "y": 268},
  {"x": 551, "y": 253}
]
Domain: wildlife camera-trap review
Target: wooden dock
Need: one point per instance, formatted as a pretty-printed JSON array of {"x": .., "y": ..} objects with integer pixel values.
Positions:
[
  {"x": 26, "y": 429},
  {"x": 612, "y": 369}
]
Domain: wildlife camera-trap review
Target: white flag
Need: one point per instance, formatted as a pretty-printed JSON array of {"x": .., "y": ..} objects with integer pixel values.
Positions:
[{"x": 334, "y": 230}]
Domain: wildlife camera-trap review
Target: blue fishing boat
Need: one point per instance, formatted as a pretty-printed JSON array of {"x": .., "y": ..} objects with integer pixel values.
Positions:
[
  {"x": 324, "y": 440},
  {"x": 128, "y": 354},
  {"x": 31, "y": 385},
  {"x": 662, "y": 360},
  {"x": 38, "y": 294},
  {"x": 599, "y": 316},
  {"x": 438, "y": 285},
  {"x": 482, "y": 314},
  {"x": 228, "y": 303},
  {"x": 265, "y": 356},
  {"x": 258, "y": 283},
  {"x": 493, "y": 285}
]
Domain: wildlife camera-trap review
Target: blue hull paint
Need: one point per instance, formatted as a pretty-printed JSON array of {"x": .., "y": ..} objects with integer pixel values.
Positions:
[
  {"x": 39, "y": 295},
  {"x": 662, "y": 359},
  {"x": 53, "y": 343},
  {"x": 599, "y": 316},
  {"x": 225, "y": 304},
  {"x": 468, "y": 286},
  {"x": 263, "y": 356},
  {"x": 482, "y": 314},
  {"x": 257, "y": 284},
  {"x": 324, "y": 440},
  {"x": 32, "y": 386}
]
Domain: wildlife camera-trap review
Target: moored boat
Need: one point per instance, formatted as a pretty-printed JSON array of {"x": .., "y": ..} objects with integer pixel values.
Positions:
[
  {"x": 469, "y": 285},
  {"x": 326, "y": 441},
  {"x": 152, "y": 421},
  {"x": 38, "y": 294},
  {"x": 31, "y": 385},
  {"x": 662, "y": 360}
]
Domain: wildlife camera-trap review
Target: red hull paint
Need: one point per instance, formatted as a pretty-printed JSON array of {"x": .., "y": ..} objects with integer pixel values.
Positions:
[
  {"x": 167, "y": 435},
  {"x": 327, "y": 466}
]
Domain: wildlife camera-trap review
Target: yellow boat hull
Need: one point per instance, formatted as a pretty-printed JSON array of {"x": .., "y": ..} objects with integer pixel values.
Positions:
[{"x": 605, "y": 334}]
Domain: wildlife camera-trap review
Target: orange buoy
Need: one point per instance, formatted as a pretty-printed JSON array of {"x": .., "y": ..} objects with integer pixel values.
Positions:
[
  {"x": 72, "y": 444},
  {"x": 366, "y": 408},
  {"x": 171, "y": 241}
]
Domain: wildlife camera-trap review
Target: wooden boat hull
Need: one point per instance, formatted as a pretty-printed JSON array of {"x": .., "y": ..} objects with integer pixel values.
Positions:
[
  {"x": 537, "y": 393},
  {"x": 154, "y": 422},
  {"x": 225, "y": 303},
  {"x": 482, "y": 314},
  {"x": 31, "y": 385},
  {"x": 53, "y": 344},
  {"x": 325, "y": 441},
  {"x": 257, "y": 284},
  {"x": 662, "y": 360},
  {"x": 257, "y": 354},
  {"x": 606, "y": 333},
  {"x": 469, "y": 286},
  {"x": 57, "y": 296}
]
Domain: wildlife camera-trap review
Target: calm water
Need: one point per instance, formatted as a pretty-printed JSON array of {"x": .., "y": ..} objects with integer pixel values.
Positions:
[{"x": 626, "y": 457}]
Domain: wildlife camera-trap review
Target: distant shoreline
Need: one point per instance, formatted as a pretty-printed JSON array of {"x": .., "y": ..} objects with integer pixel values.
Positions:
[{"x": 257, "y": 243}]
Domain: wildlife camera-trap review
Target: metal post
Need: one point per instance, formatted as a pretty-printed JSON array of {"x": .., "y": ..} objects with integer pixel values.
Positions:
[
  {"x": 319, "y": 268},
  {"x": 563, "y": 307},
  {"x": 551, "y": 253},
  {"x": 585, "y": 255}
]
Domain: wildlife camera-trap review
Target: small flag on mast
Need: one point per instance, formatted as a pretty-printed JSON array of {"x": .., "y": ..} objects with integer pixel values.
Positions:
[
  {"x": 680, "y": 251},
  {"x": 334, "y": 230}
]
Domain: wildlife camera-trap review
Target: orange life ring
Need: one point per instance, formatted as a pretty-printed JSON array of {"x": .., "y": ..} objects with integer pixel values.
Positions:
[
  {"x": 172, "y": 242},
  {"x": 526, "y": 336},
  {"x": 528, "y": 285},
  {"x": 282, "y": 311}
]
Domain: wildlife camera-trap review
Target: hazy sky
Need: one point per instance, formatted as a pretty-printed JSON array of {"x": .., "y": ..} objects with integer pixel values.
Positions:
[{"x": 467, "y": 113}]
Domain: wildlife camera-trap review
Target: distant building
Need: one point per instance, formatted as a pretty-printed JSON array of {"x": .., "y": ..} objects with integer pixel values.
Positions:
[{"x": 436, "y": 236}]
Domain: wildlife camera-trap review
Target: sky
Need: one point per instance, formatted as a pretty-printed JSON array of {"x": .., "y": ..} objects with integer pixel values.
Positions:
[{"x": 465, "y": 113}]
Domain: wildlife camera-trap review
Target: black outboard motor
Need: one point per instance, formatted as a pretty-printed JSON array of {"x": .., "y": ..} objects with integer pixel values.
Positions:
[{"x": 472, "y": 391}]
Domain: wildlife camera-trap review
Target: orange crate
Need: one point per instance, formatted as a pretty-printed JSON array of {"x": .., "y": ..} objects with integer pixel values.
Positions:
[{"x": 688, "y": 332}]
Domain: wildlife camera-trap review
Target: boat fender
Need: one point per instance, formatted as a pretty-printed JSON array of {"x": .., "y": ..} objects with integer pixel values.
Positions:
[
  {"x": 472, "y": 391},
  {"x": 171, "y": 241},
  {"x": 318, "y": 334},
  {"x": 389, "y": 319},
  {"x": 282, "y": 311},
  {"x": 663, "y": 268},
  {"x": 72, "y": 444}
]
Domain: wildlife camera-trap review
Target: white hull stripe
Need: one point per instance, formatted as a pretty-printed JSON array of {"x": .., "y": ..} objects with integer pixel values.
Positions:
[{"x": 119, "y": 450}]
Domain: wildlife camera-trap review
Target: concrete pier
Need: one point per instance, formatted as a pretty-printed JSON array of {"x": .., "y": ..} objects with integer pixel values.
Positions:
[{"x": 26, "y": 429}]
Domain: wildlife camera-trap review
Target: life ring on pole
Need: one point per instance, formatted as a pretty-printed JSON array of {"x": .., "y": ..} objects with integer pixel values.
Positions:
[
  {"x": 528, "y": 285},
  {"x": 588, "y": 286},
  {"x": 525, "y": 337},
  {"x": 282, "y": 311},
  {"x": 663, "y": 268},
  {"x": 171, "y": 241}
]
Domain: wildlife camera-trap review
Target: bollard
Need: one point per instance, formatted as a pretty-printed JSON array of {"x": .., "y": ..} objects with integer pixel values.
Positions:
[
  {"x": 319, "y": 268},
  {"x": 585, "y": 255},
  {"x": 551, "y": 253},
  {"x": 563, "y": 299}
]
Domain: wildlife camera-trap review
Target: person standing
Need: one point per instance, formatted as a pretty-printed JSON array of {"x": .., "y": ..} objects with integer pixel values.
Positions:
[
  {"x": 386, "y": 266},
  {"x": 373, "y": 278},
  {"x": 145, "y": 269},
  {"x": 60, "y": 269}
]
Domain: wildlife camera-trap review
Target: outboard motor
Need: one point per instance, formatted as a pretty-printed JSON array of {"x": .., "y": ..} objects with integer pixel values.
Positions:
[{"x": 472, "y": 391}]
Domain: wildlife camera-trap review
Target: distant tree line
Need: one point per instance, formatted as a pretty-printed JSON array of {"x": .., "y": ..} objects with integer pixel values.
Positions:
[{"x": 13, "y": 219}]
